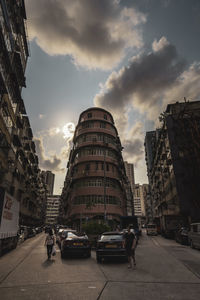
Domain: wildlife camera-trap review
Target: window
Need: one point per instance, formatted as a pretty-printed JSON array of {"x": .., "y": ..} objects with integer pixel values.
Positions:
[
  {"x": 87, "y": 167},
  {"x": 89, "y": 115},
  {"x": 102, "y": 125},
  {"x": 105, "y": 117}
]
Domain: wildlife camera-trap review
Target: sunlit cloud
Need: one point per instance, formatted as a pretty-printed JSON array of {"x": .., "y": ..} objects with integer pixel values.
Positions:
[
  {"x": 68, "y": 130},
  {"x": 52, "y": 136},
  {"x": 41, "y": 116},
  {"x": 148, "y": 84},
  {"x": 96, "y": 34},
  {"x": 52, "y": 162}
]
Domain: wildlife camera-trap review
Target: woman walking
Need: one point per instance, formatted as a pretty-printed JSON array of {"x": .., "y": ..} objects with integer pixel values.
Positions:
[
  {"x": 130, "y": 245},
  {"x": 50, "y": 242}
]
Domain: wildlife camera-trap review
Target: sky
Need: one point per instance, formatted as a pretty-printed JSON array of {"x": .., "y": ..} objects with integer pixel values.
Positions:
[{"x": 130, "y": 57}]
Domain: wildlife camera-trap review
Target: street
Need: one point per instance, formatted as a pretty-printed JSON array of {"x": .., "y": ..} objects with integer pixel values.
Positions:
[{"x": 165, "y": 270}]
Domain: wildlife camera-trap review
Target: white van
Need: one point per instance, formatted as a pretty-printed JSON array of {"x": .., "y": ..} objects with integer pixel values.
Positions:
[
  {"x": 194, "y": 235},
  {"x": 151, "y": 229}
]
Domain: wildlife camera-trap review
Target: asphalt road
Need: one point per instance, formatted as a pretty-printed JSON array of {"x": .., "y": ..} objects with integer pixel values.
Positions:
[{"x": 165, "y": 270}]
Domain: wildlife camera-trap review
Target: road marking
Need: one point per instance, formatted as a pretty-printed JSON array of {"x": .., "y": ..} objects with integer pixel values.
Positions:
[
  {"x": 91, "y": 287},
  {"x": 155, "y": 242}
]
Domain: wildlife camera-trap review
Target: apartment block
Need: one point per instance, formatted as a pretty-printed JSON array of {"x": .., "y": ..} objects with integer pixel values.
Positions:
[
  {"x": 52, "y": 209},
  {"x": 19, "y": 170},
  {"x": 174, "y": 172},
  {"x": 94, "y": 187}
]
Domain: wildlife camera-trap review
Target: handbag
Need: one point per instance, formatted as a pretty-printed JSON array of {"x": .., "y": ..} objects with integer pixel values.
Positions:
[{"x": 53, "y": 253}]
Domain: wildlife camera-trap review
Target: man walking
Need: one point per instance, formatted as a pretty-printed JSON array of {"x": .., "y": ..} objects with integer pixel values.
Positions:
[{"x": 130, "y": 245}]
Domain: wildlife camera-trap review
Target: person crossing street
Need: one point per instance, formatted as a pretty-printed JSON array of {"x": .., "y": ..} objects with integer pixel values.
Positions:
[{"x": 130, "y": 245}]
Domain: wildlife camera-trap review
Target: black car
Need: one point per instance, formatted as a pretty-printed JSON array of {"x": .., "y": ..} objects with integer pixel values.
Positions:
[
  {"x": 31, "y": 232},
  {"x": 62, "y": 234},
  {"x": 181, "y": 236},
  {"x": 110, "y": 244},
  {"x": 75, "y": 244}
]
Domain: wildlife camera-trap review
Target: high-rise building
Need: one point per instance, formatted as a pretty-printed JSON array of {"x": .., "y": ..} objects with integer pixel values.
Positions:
[
  {"x": 19, "y": 171},
  {"x": 174, "y": 172},
  {"x": 147, "y": 203},
  {"x": 130, "y": 188},
  {"x": 52, "y": 209},
  {"x": 49, "y": 179},
  {"x": 130, "y": 174},
  {"x": 94, "y": 187},
  {"x": 139, "y": 207}
]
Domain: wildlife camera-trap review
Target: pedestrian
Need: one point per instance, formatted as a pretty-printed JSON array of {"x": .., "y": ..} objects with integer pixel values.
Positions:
[
  {"x": 49, "y": 242},
  {"x": 130, "y": 245}
]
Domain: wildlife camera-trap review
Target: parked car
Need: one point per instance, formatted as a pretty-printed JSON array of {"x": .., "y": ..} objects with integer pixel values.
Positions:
[
  {"x": 151, "y": 229},
  {"x": 62, "y": 234},
  {"x": 22, "y": 234},
  {"x": 110, "y": 244},
  {"x": 46, "y": 229},
  {"x": 75, "y": 243},
  {"x": 181, "y": 236},
  {"x": 194, "y": 235},
  {"x": 38, "y": 229},
  {"x": 24, "y": 231},
  {"x": 31, "y": 232}
]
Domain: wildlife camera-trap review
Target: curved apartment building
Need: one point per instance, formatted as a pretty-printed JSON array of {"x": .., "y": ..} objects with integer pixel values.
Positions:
[{"x": 94, "y": 184}]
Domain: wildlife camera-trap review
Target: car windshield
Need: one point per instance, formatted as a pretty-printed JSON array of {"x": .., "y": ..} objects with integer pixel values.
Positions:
[
  {"x": 114, "y": 237},
  {"x": 71, "y": 235},
  {"x": 151, "y": 226},
  {"x": 67, "y": 233}
]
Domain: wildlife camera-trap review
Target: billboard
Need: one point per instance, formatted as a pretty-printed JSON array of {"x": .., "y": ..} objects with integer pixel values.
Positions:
[{"x": 9, "y": 215}]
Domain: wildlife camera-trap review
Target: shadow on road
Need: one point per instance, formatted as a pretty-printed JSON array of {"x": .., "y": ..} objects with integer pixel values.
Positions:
[{"x": 47, "y": 263}]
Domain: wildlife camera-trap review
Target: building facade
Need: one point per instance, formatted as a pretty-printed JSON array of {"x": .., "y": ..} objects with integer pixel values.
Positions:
[
  {"x": 48, "y": 179},
  {"x": 52, "y": 209},
  {"x": 19, "y": 171},
  {"x": 175, "y": 170},
  {"x": 147, "y": 203},
  {"x": 130, "y": 187},
  {"x": 130, "y": 173},
  {"x": 94, "y": 187},
  {"x": 139, "y": 206}
]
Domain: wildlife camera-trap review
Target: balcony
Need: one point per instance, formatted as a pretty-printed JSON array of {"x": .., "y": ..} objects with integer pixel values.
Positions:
[
  {"x": 27, "y": 147},
  {"x": 4, "y": 145},
  {"x": 30, "y": 133},
  {"x": 16, "y": 141},
  {"x": 19, "y": 122},
  {"x": 19, "y": 69},
  {"x": 33, "y": 146},
  {"x": 22, "y": 108}
]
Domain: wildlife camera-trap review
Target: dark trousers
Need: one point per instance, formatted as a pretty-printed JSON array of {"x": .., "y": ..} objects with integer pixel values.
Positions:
[{"x": 49, "y": 250}]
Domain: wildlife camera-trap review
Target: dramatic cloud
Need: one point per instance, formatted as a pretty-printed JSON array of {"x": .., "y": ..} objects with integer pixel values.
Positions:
[
  {"x": 187, "y": 85},
  {"x": 133, "y": 143},
  {"x": 95, "y": 33},
  {"x": 53, "y": 163},
  {"x": 147, "y": 85},
  {"x": 55, "y": 135},
  {"x": 143, "y": 83}
]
